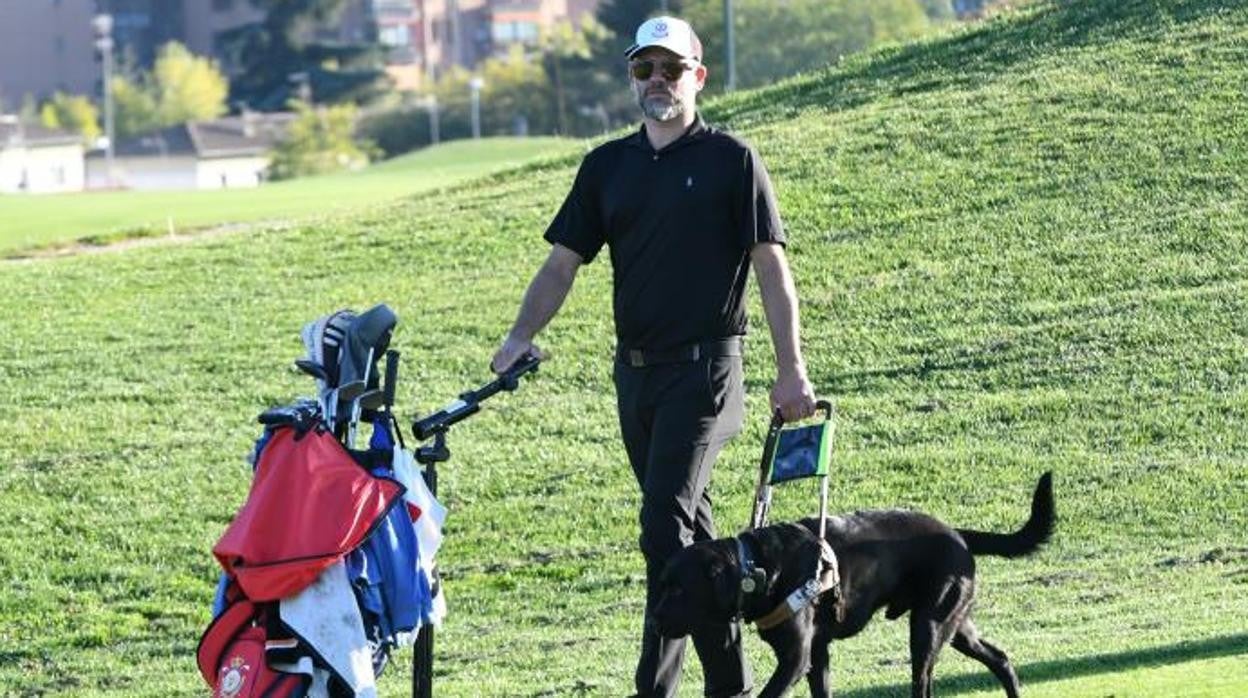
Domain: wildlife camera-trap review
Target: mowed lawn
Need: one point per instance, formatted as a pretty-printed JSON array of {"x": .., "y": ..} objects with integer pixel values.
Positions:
[
  {"x": 1019, "y": 247},
  {"x": 28, "y": 222}
]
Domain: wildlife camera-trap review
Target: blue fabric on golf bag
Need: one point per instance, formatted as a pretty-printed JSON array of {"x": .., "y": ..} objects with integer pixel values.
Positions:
[{"x": 385, "y": 575}]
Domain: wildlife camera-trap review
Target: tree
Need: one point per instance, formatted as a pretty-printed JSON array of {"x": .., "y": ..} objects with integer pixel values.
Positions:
[
  {"x": 281, "y": 59},
  {"x": 74, "y": 113},
  {"x": 320, "y": 140},
  {"x": 568, "y": 57},
  {"x": 181, "y": 87},
  {"x": 815, "y": 33},
  {"x": 939, "y": 10},
  {"x": 187, "y": 87},
  {"x": 135, "y": 108},
  {"x": 622, "y": 17}
]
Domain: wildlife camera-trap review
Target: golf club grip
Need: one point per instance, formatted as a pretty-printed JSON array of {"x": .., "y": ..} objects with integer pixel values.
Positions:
[{"x": 392, "y": 377}]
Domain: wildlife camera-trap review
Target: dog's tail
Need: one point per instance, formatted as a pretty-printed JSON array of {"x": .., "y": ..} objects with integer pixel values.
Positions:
[{"x": 1025, "y": 540}]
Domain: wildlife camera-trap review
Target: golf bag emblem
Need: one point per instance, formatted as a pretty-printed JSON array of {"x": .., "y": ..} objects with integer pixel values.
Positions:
[{"x": 234, "y": 676}]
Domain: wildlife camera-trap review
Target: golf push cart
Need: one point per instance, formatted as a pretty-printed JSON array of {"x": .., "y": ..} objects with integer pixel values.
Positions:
[{"x": 329, "y": 564}]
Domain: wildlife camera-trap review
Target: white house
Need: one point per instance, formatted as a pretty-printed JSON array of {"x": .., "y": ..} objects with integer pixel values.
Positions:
[
  {"x": 227, "y": 153},
  {"x": 37, "y": 160}
]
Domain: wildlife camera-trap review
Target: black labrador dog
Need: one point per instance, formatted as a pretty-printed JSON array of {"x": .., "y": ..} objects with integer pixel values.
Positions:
[{"x": 901, "y": 561}]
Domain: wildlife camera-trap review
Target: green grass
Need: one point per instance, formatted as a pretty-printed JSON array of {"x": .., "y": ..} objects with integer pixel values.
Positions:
[
  {"x": 1020, "y": 247},
  {"x": 29, "y": 222}
]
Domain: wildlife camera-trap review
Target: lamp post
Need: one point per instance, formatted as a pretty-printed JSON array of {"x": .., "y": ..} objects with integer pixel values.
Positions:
[
  {"x": 475, "y": 84},
  {"x": 103, "y": 26},
  {"x": 730, "y": 82},
  {"x": 431, "y": 104}
]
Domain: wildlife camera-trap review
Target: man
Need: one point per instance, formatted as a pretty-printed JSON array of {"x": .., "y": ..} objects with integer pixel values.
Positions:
[{"x": 686, "y": 211}]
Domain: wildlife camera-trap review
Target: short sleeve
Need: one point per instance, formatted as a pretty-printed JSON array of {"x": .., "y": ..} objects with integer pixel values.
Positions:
[
  {"x": 759, "y": 218},
  {"x": 578, "y": 224}
]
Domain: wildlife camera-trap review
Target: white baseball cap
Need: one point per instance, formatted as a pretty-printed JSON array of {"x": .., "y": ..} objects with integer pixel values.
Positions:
[{"x": 670, "y": 33}]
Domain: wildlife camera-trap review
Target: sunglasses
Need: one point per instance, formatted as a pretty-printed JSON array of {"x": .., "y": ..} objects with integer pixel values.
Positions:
[{"x": 670, "y": 70}]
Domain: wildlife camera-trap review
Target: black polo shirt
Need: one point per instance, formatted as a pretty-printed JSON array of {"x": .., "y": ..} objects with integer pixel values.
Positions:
[{"x": 680, "y": 223}]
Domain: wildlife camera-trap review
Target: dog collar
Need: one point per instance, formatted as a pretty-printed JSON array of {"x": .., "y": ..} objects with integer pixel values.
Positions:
[
  {"x": 746, "y": 566},
  {"x": 751, "y": 579}
]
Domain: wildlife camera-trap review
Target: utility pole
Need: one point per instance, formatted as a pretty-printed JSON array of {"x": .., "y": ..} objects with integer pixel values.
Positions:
[
  {"x": 103, "y": 26},
  {"x": 475, "y": 84},
  {"x": 431, "y": 103},
  {"x": 730, "y": 82}
]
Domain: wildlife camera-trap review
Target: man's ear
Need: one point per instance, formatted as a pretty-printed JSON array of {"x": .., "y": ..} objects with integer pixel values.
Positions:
[{"x": 700, "y": 73}]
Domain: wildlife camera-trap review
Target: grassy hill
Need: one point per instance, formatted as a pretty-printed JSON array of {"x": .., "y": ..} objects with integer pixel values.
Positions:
[
  {"x": 1020, "y": 247},
  {"x": 28, "y": 222}
]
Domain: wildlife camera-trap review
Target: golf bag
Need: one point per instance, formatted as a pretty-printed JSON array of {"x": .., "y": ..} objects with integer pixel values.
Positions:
[{"x": 328, "y": 565}]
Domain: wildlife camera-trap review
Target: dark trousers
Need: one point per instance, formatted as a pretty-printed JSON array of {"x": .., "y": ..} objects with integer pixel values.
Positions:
[{"x": 675, "y": 417}]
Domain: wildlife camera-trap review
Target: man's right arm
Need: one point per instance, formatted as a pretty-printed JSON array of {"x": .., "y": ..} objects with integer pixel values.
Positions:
[{"x": 542, "y": 300}]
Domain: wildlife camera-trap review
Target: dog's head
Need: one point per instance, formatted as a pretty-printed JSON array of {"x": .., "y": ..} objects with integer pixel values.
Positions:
[
  {"x": 703, "y": 583},
  {"x": 699, "y": 586}
]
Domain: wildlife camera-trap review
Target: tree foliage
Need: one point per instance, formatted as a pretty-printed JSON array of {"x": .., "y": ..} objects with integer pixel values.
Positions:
[
  {"x": 187, "y": 87},
  {"x": 320, "y": 140},
  {"x": 73, "y": 113},
  {"x": 775, "y": 40},
  {"x": 939, "y": 10},
  {"x": 281, "y": 58},
  {"x": 181, "y": 87},
  {"x": 135, "y": 107},
  {"x": 516, "y": 97}
]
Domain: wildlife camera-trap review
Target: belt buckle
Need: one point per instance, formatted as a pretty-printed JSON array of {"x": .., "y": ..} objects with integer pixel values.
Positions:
[{"x": 636, "y": 358}]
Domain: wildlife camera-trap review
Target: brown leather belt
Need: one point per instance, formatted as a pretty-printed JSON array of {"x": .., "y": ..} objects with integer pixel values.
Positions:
[{"x": 638, "y": 357}]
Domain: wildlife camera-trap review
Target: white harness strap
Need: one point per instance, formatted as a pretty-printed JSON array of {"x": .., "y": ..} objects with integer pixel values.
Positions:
[{"x": 827, "y": 577}]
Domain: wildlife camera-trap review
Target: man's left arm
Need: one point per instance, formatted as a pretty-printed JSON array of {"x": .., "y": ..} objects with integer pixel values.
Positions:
[{"x": 792, "y": 393}]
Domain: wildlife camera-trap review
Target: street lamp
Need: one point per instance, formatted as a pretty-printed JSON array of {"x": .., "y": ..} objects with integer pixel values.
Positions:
[
  {"x": 730, "y": 43},
  {"x": 103, "y": 26},
  {"x": 475, "y": 84},
  {"x": 430, "y": 103}
]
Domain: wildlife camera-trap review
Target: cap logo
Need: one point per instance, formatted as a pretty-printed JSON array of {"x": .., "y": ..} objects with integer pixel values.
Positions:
[{"x": 660, "y": 30}]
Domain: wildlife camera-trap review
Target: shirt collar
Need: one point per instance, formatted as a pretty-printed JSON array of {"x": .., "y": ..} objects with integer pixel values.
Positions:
[{"x": 697, "y": 129}]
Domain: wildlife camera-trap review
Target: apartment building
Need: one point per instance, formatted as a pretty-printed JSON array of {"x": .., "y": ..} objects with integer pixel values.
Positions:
[{"x": 48, "y": 45}]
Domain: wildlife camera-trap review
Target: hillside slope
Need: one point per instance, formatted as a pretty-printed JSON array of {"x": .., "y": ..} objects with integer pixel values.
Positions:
[{"x": 1019, "y": 247}]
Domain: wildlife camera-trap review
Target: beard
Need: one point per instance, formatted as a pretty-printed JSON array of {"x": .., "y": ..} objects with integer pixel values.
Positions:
[{"x": 661, "y": 107}]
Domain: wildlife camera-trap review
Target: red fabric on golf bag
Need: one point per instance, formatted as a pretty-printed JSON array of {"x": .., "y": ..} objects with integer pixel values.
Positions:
[
  {"x": 232, "y": 661},
  {"x": 310, "y": 503}
]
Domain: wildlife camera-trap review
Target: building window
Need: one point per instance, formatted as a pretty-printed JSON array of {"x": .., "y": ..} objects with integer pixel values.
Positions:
[
  {"x": 395, "y": 35},
  {"x": 513, "y": 32}
]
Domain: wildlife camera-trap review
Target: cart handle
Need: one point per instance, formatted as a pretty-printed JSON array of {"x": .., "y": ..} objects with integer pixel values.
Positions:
[
  {"x": 469, "y": 403},
  {"x": 777, "y": 420}
]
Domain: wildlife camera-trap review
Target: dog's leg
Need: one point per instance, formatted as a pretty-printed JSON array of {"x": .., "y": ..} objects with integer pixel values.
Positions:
[
  {"x": 790, "y": 641},
  {"x": 820, "y": 676},
  {"x": 932, "y": 625},
  {"x": 967, "y": 641}
]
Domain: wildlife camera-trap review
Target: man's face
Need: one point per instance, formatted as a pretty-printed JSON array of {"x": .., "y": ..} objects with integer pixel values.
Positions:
[{"x": 660, "y": 97}]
